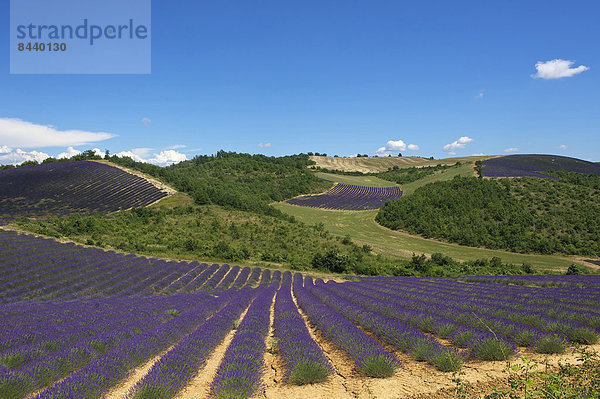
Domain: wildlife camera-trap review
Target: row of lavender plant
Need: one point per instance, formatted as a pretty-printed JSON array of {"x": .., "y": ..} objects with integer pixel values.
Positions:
[
  {"x": 57, "y": 317},
  {"x": 22, "y": 347},
  {"x": 304, "y": 360},
  {"x": 89, "y": 272},
  {"x": 570, "y": 301},
  {"x": 73, "y": 186},
  {"x": 178, "y": 366},
  {"x": 573, "y": 330},
  {"x": 42, "y": 372},
  {"x": 241, "y": 278},
  {"x": 104, "y": 372},
  {"x": 368, "y": 355},
  {"x": 399, "y": 335},
  {"x": 228, "y": 279},
  {"x": 239, "y": 374},
  {"x": 518, "y": 333},
  {"x": 344, "y": 196}
]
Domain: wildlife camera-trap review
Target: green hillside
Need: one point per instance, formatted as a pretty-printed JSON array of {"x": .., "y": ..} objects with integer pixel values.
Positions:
[
  {"x": 526, "y": 215},
  {"x": 238, "y": 181}
]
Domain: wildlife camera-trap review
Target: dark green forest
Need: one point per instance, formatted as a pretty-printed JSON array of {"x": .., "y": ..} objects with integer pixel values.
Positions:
[{"x": 527, "y": 215}]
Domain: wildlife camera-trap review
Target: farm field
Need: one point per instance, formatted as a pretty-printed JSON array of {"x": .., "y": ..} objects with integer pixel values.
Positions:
[
  {"x": 362, "y": 228},
  {"x": 115, "y": 325},
  {"x": 534, "y": 166},
  {"x": 349, "y": 197},
  {"x": 381, "y": 164},
  {"x": 366, "y": 181},
  {"x": 61, "y": 188},
  {"x": 466, "y": 169}
]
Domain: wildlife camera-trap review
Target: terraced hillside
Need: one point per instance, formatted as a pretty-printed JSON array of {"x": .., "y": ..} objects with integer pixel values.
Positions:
[
  {"x": 349, "y": 197},
  {"x": 79, "y": 322},
  {"x": 61, "y": 188}
]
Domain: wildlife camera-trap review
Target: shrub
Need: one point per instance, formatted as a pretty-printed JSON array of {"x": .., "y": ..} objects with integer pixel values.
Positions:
[
  {"x": 446, "y": 329},
  {"x": 574, "y": 270},
  {"x": 492, "y": 348},
  {"x": 551, "y": 344},
  {"x": 447, "y": 361},
  {"x": 582, "y": 335},
  {"x": 308, "y": 372},
  {"x": 462, "y": 337},
  {"x": 525, "y": 338},
  {"x": 378, "y": 366}
]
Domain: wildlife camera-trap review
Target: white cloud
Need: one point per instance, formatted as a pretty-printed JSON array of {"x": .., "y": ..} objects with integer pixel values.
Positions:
[
  {"x": 176, "y": 147},
  {"x": 352, "y": 155},
  {"x": 265, "y": 145},
  {"x": 10, "y": 157},
  {"x": 70, "y": 152},
  {"x": 167, "y": 157},
  {"x": 395, "y": 146},
  {"x": 19, "y": 133},
  {"x": 146, "y": 121},
  {"x": 142, "y": 152},
  {"x": 460, "y": 143},
  {"x": 479, "y": 95},
  {"x": 512, "y": 149},
  {"x": 131, "y": 155},
  {"x": 479, "y": 154},
  {"x": 556, "y": 69},
  {"x": 563, "y": 147},
  {"x": 163, "y": 158}
]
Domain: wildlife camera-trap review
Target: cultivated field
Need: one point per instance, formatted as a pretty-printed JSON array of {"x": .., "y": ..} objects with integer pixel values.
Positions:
[
  {"x": 349, "y": 197},
  {"x": 533, "y": 165},
  {"x": 116, "y": 325},
  {"x": 66, "y": 187},
  {"x": 380, "y": 164}
]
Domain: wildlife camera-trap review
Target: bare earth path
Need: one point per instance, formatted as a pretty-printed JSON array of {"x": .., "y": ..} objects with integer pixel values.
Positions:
[
  {"x": 200, "y": 385},
  {"x": 121, "y": 390}
]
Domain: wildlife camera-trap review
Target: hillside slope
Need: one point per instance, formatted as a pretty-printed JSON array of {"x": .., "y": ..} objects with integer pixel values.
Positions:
[
  {"x": 65, "y": 187},
  {"x": 240, "y": 181},
  {"x": 527, "y": 215},
  {"x": 381, "y": 164},
  {"x": 534, "y": 165}
]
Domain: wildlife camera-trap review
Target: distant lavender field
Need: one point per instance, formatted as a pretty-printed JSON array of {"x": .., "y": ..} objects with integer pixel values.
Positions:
[
  {"x": 533, "y": 165},
  {"x": 349, "y": 197},
  {"x": 65, "y": 187}
]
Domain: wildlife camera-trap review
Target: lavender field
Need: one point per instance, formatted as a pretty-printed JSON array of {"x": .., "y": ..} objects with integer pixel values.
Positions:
[
  {"x": 523, "y": 165},
  {"x": 79, "y": 322},
  {"x": 349, "y": 197},
  {"x": 65, "y": 187}
]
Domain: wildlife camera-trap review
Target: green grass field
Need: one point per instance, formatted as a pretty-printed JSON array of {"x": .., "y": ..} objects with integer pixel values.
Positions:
[
  {"x": 362, "y": 228},
  {"x": 365, "y": 181},
  {"x": 466, "y": 169}
]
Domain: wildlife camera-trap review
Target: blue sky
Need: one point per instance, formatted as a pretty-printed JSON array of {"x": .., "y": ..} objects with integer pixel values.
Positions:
[{"x": 341, "y": 77}]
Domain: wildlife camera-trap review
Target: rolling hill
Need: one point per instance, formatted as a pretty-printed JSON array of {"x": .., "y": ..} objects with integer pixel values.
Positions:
[
  {"x": 381, "y": 164},
  {"x": 65, "y": 187},
  {"x": 534, "y": 165}
]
